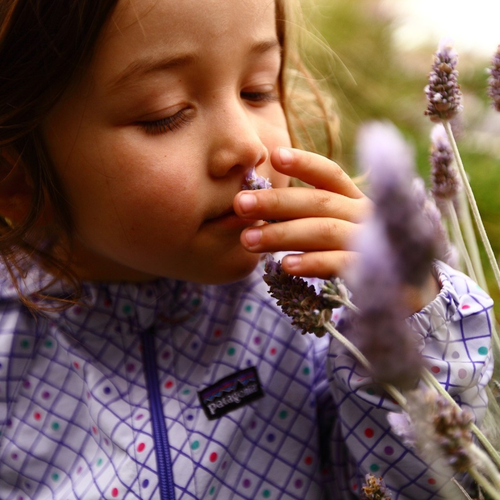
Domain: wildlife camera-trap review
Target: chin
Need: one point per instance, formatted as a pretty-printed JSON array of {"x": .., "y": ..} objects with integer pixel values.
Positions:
[{"x": 229, "y": 272}]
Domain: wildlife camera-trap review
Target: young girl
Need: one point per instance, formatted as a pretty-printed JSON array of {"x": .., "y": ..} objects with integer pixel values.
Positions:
[{"x": 140, "y": 354}]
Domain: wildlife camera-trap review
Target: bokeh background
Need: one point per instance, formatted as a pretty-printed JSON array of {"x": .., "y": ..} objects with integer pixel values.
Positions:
[{"x": 380, "y": 55}]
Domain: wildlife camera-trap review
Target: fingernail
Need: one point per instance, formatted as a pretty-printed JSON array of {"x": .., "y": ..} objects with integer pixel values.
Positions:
[
  {"x": 292, "y": 260},
  {"x": 247, "y": 202},
  {"x": 253, "y": 236},
  {"x": 286, "y": 156}
]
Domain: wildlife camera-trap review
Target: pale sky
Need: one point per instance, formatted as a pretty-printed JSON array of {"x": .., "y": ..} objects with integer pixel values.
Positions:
[{"x": 474, "y": 25}]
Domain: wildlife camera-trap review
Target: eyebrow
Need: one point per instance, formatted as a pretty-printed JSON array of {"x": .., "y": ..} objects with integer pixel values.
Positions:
[{"x": 152, "y": 65}]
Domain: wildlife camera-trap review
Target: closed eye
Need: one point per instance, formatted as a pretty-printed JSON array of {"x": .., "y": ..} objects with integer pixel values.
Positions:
[
  {"x": 262, "y": 97},
  {"x": 167, "y": 124}
]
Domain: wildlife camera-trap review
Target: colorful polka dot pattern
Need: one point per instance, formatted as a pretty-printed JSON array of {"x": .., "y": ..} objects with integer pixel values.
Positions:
[
  {"x": 82, "y": 384},
  {"x": 74, "y": 412}
]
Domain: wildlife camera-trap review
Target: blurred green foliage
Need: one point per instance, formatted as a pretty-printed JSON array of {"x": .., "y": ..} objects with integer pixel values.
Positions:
[{"x": 354, "y": 48}]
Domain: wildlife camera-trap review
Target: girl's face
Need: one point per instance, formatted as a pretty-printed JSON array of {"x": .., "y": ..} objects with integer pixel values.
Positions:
[{"x": 153, "y": 143}]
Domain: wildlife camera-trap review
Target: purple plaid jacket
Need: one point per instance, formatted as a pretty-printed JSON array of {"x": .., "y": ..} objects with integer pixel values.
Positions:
[{"x": 173, "y": 390}]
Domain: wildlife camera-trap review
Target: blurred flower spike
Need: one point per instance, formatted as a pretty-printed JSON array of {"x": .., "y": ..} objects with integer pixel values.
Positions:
[
  {"x": 494, "y": 80},
  {"x": 443, "y": 91},
  {"x": 388, "y": 160},
  {"x": 396, "y": 249},
  {"x": 436, "y": 428}
]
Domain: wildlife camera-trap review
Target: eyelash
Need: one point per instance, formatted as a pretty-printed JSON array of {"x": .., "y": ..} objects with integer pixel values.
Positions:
[
  {"x": 261, "y": 96},
  {"x": 174, "y": 122},
  {"x": 167, "y": 124}
]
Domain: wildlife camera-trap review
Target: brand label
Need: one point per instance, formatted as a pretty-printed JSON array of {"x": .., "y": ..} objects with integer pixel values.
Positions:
[{"x": 230, "y": 393}]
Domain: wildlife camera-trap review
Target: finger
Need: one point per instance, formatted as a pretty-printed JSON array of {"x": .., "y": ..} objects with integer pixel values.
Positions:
[
  {"x": 314, "y": 169},
  {"x": 301, "y": 235},
  {"x": 323, "y": 265},
  {"x": 299, "y": 202}
]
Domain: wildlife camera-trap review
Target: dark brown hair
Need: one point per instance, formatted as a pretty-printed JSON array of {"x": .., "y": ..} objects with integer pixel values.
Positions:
[{"x": 44, "y": 44}]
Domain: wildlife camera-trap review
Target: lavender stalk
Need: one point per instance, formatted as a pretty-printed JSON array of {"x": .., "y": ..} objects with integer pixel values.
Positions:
[
  {"x": 440, "y": 429},
  {"x": 446, "y": 188},
  {"x": 473, "y": 204},
  {"x": 391, "y": 167},
  {"x": 443, "y": 91},
  {"x": 294, "y": 294},
  {"x": 471, "y": 268},
  {"x": 444, "y": 102},
  {"x": 309, "y": 312},
  {"x": 431, "y": 381},
  {"x": 396, "y": 248}
]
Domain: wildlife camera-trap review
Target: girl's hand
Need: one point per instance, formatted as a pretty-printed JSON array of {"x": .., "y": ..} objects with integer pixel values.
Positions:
[{"x": 319, "y": 222}]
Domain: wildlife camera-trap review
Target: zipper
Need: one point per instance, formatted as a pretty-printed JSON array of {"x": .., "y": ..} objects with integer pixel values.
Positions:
[{"x": 158, "y": 421}]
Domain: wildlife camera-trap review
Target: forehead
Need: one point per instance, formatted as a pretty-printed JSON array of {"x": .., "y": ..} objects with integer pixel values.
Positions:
[
  {"x": 186, "y": 25},
  {"x": 149, "y": 31}
]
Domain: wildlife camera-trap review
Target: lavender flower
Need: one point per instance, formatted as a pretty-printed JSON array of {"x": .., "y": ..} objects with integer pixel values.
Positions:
[
  {"x": 380, "y": 331},
  {"x": 396, "y": 247},
  {"x": 494, "y": 80},
  {"x": 443, "y": 91},
  {"x": 446, "y": 183},
  {"x": 436, "y": 428},
  {"x": 308, "y": 310},
  {"x": 388, "y": 160},
  {"x": 254, "y": 181},
  {"x": 374, "y": 488}
]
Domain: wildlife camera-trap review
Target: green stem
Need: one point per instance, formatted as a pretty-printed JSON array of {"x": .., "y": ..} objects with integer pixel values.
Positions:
[
  {"x": 486, "y": 465},
  {"x": 485, "y": 485},
  {"x": 461, "y": 488},
  {"x": 471, "y": 240},
  {"x": 473, "y": 204},
  {"x": 455, "y": 224},
  {"x": 469, "y": 232}
]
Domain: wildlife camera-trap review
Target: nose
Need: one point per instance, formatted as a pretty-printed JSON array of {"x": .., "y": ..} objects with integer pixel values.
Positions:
[{"x": 235, "y": 140}]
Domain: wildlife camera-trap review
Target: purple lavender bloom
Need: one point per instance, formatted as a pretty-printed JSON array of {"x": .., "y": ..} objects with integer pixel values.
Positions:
[
  {"x": 308, "y": 310},
  {"x": 254, "y": 181},
  {"x": 446, "y": 182},
  {"x": 397, "y": 247},
  {"x": 443, "y": 91},
  {"x": 494, "y": 80},
  {"x": 388, "y": 160},
  {"x": 380, "y": 331},
  {"x": 436, "y": 427}
]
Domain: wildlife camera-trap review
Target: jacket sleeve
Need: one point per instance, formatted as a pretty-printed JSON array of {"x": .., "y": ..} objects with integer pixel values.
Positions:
[{"x": 453, "y": 333}]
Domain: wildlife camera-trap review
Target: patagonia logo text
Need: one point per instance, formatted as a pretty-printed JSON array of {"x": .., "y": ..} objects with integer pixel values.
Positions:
[{"x": 230, "y": 393}]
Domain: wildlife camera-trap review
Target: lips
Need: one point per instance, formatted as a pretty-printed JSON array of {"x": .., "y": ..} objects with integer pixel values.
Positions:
[
  {"x": 228, "y": 220},
  {"x": 220, "y": 214}
]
